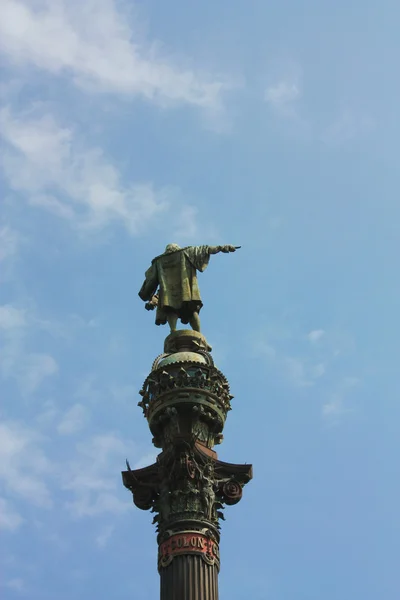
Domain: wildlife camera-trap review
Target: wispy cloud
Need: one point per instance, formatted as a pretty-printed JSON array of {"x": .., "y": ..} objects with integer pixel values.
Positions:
[
  {"x": 16, "y": 584},
  {"x": 24, "y": 467},
  {"x": 73, "y": 420},
  {"x": 311, "y": 360},
  {"x": 10, "y": 519},
  {"x": 315, "y": 335},
  {"x": 301, "y": 370},
  {"x": 11, "y": 317},
  {"x": 34, "y": 369},
  {"x": 29, "y": 369},
  {"x": 336, "y": 407},
  {"x": 90, "y": 479},
  {"x": 146, "y": 460},
  {"x": 9, "y": 242},
  {"x": 347, "y": 126},
  {"x": 46, "y": 162},
  {"x": 103, "y": 537},
  {"x": 284, "y": 88},
  {"x": 55, "y": 171},
  {"x": 282, "y": 96},
  {"x": 95, "y": 45}
]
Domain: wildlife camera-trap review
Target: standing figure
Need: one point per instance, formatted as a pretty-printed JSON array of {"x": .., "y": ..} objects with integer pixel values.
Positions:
[
  {"x": 171, "y": 283},
  {"x": 207, "y": 491}
]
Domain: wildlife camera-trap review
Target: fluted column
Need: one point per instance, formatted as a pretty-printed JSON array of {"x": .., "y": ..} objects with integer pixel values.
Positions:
[{"x": 189, "y": 577}]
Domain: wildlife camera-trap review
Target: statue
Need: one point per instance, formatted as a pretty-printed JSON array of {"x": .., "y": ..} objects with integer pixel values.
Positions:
[
  {"x": 207, "y": 491},
  {"x": 171, "y": 283}
]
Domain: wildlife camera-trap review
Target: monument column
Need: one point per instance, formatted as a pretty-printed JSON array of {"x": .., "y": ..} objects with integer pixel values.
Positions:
[{"x": 185, "y": 400}]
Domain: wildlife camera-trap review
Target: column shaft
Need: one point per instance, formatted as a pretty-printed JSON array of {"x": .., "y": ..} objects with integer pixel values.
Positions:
[{"x": 189, "y": 577}]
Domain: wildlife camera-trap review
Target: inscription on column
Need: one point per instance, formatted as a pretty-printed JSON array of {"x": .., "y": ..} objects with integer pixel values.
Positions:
[{"x": 188, "y": 542}]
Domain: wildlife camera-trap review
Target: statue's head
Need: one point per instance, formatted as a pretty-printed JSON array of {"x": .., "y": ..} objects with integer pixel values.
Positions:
[
  {"x": 171, "y": 248},
  {"x": 208, "y": 469}
]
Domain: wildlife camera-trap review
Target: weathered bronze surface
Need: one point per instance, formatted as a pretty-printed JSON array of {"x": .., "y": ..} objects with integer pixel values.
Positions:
[
  {"x": 189, "y": 577},
  {"x": 185, "y": 400},
  {"x": 171, "y": 283}
]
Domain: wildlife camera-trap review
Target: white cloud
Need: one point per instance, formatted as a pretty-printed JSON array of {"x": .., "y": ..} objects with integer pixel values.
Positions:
[
  {"x": 146, "y": 460},
  {"x": 347, "y": 126},
  {"x": 12, "y": 334},
  {"x": 90, "y": 480},
  {"x": 316, "y": 335},
  {"x": 92, "y": 477},
  {"x": 16, "y": 584},
  {"x": 34, "y": 369},
  {"x": 282, "y": 96},
  {"x": 336, "y": 406},
  {"x": 303, "y": 362},
  {"x": 9, "y": 241},
  {"x": 9, "y": 518},
  {"x": 11, "y": 317},
  {"x": 57, "y": 173},
  {"x": 267, "y": 350},
  {"x": 95, "y": 45},
  {"x": 104, "y": 535},
  {"x": 90, "y": 390},
  {"x": 318, "y": 370},
  {"x": 23, "y": 464},
  {"x": 48, "y": 414},
  {"x": 29, "y": 369},
  {"x": 73, "y": 420},
  {"x": 281, "y": 93},
  {"x": 300, "y": 371}
]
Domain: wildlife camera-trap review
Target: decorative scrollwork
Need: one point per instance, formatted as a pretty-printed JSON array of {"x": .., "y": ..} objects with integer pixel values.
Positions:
[
  {"x": 143, "y": 497},
  {"x": 232, "y": 492}
]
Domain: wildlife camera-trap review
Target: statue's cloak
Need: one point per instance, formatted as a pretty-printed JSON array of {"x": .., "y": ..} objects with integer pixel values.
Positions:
[{"x": 174, "y": 274}]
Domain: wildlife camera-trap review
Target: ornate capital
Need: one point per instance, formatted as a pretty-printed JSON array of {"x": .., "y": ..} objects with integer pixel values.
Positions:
[{"x": 185, "y": 400}]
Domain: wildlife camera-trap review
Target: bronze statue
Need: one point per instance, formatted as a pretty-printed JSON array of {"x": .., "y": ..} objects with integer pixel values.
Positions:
[
  {"x": 207, "y": 492},
  {"x": 171, "y": 283}
]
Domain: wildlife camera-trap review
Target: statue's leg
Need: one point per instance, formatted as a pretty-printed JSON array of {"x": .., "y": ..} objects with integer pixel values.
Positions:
[
  {"x": 172, "y": 319},
  {"x": 195, "y": 322}
]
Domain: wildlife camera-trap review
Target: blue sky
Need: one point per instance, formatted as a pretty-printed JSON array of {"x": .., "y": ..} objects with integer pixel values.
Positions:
[{"x": 274, "y": 125}]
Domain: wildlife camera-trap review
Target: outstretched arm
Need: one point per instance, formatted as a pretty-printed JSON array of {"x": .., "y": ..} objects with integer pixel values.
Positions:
[{"x": 225, "y": 248}]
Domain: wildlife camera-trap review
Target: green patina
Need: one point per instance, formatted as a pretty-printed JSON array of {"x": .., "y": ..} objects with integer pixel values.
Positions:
[{"x": 171, "y": 283}]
